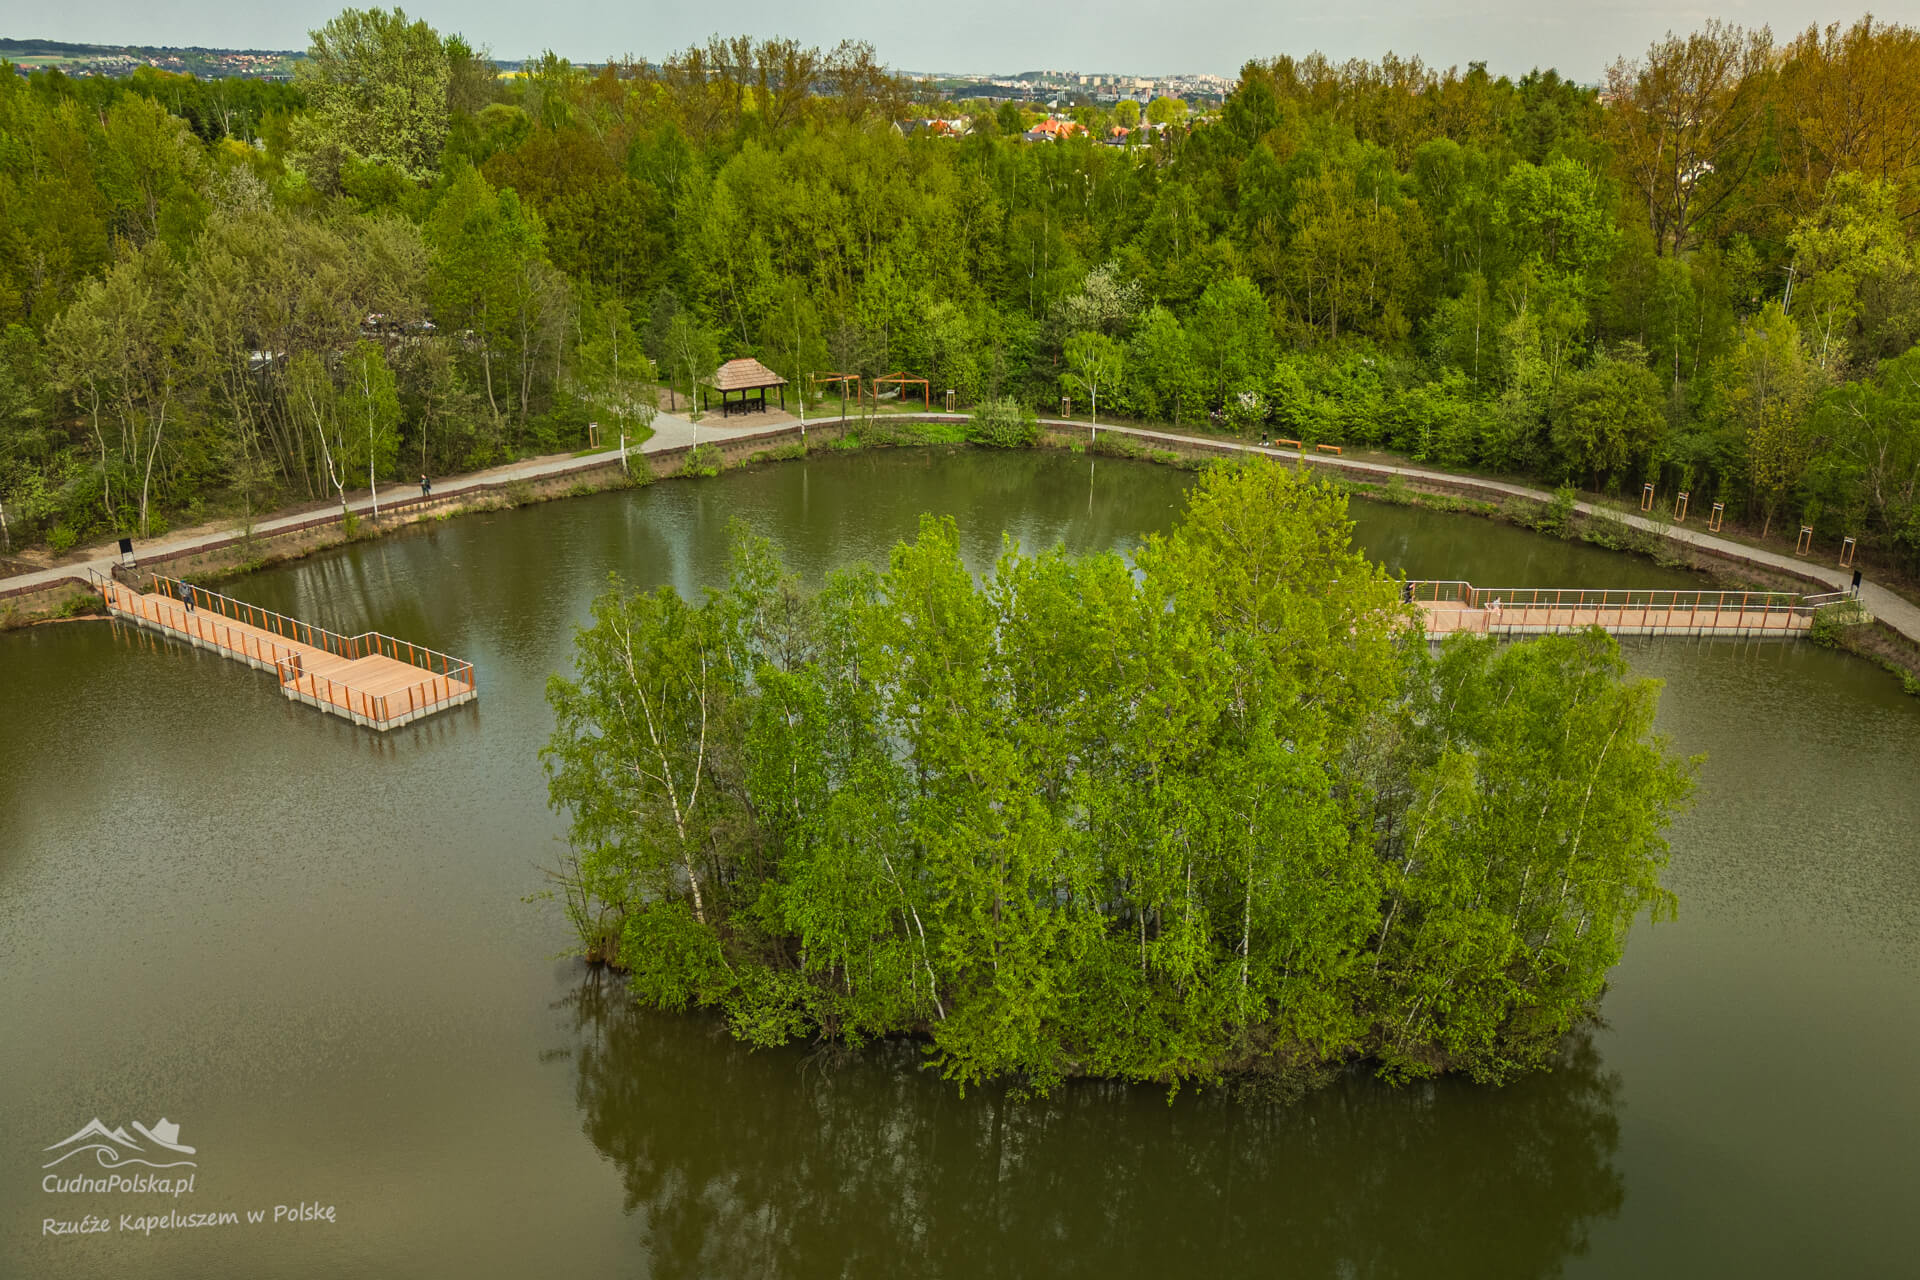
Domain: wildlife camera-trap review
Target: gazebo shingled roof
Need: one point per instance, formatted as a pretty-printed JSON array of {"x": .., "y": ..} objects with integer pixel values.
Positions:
[{"x": 744, "y": 374}]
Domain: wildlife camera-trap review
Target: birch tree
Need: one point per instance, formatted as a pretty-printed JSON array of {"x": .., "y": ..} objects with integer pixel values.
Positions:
[{"x": 1212, "y": 812}]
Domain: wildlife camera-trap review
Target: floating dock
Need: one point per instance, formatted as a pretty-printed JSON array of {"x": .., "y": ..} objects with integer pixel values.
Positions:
[
  {"x": 370, "y": 679},
  {"x": 1449, "y": 607}
]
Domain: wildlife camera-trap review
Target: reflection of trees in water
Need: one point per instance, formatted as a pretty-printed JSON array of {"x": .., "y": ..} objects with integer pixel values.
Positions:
[{"x": 770, "y": 1164}]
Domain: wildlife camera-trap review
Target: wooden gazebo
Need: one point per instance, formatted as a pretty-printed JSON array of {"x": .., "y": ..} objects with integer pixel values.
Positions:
[{"x": 744, "y": 377}]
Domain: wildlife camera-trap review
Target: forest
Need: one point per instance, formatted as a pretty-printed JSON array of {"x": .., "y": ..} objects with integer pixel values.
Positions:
[
  {"x": 217, "y": 297},
  {"x": 1208, "y": 813}
]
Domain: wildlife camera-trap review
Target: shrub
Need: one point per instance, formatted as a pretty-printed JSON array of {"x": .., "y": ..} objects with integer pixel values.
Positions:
[
  {"x": 1557, "y": 516},
  {"x": 1111, "y": 445},
  {"x": 1246, "y": 412},
  {"x": 1602, "y": 529},
  {"x": 705, "y": 460},
  {"x": 639, "y": 471},
  {"x": 1831, "y": 622},
  {"x": 1002, "y": 423},
  {"x": 899, "y": 434}
]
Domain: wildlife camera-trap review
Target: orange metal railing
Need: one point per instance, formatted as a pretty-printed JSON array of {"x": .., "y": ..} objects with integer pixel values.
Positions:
[
  {"x": 366, "y": 644},
  {"x": 380, "y": 709},
  {"x": 209, "y": 620}
]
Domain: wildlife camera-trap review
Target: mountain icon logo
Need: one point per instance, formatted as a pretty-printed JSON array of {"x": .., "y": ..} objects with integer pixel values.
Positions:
[{"x": 115, "y": 1148}]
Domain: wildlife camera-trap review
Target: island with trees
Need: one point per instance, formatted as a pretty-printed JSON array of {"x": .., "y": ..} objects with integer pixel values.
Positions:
[{"x": 1213, "y": 813}]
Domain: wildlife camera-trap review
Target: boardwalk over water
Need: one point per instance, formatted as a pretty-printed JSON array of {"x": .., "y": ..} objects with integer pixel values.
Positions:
[
  {"x": 370, "y": 679},
  {"x": 1449, "y": 607}
]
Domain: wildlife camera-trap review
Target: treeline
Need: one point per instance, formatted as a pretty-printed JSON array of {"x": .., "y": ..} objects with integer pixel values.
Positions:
[
  {"x": 1211, "y": 812},
  {"x": 1702, "y": 274}
]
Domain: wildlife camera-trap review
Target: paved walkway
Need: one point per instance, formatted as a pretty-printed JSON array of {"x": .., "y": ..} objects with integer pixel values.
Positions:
[
  {"x": 673, "y": 431},
  {"x": 670, "y": 431},
  {"x": 1889, "y": 608}
]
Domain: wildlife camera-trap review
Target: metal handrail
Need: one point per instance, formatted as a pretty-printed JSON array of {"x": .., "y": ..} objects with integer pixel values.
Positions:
[
  {"x": 377, "y": 707},
  {"x": 343, "y": 646},
  {"x": 288, "y": 663},
  {"x": 1459, "y": 605},
  {"x": 1468, "y": 596}
]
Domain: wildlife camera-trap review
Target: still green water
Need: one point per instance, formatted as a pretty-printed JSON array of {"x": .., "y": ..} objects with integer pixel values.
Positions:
[{"x": 307, "y": 945}]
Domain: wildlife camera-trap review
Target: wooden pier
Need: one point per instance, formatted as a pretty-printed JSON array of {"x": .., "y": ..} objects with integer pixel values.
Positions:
[
  {"x": 370, "y": 679},
  {"x": 1450, "y": 607}
]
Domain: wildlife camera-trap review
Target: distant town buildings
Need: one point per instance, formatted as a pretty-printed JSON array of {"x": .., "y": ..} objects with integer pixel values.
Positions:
[
  {"x": 1051, "y": 89},
  {"x": 29, "y": 56},
  {"x": 1068, "y": 88}
]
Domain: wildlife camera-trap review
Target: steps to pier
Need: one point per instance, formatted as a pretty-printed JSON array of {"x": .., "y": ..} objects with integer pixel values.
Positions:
[{"x": 370, "y": 679}]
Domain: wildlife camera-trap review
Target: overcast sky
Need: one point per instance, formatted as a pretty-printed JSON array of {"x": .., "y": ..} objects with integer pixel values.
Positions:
[{"x": 1580, "y": 37}]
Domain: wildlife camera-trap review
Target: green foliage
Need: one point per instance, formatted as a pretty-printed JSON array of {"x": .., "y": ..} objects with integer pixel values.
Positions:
[
  {"x": 1117, "y": 446},
  {"x": 1096, "y": 364},
  {"x": 903, "y": 433},
  {"x": 1765, "y": 388},
  {"x": 1213, "y": 812},
  {"x": 376, "y": 91},
  {"x": 1557, "y": 516},
  {"x": 83, "y": 605},
  {"x": 1831, "y": 623},
  {"x": 703, "y": 460},
  {"x": 1609, "y": 418},
  {"x": 639, "y": 471},
  {"x": 369, "y": 416},
  {"x": 490, "y": 277},
  {"x": 1476, "y": 271},
  {"x": 1001, "y": 423}
]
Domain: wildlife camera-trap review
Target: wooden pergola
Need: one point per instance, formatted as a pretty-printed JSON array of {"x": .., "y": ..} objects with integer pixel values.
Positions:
[
  {"x": 744, "y": 377},
  {"x": 903, "y": 381},
  {"x": 842, "y": 380}
]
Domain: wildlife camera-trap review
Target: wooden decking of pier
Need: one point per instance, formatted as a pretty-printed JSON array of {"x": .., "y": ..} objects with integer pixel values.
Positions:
[
  {"x": 1450, "y": 607},
  {"x": 370, "y": 679}
]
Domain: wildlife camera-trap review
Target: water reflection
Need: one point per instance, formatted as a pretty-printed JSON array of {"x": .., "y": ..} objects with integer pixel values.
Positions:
[{"x": 742, "y": 1163}]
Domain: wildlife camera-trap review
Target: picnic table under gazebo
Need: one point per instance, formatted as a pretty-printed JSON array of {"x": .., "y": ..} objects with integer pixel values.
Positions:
[{"x": 744, "y": 377}]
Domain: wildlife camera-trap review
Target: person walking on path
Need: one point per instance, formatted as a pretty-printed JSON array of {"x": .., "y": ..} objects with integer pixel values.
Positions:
[{"x": 426, "y": 486}]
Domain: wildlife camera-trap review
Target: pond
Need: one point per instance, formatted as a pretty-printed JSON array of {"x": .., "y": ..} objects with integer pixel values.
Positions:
[{"x": 309, "y": 946}]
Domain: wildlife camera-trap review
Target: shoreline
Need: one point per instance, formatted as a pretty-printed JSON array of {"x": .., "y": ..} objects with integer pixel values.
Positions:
[{"x": 63, "y": 593}]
